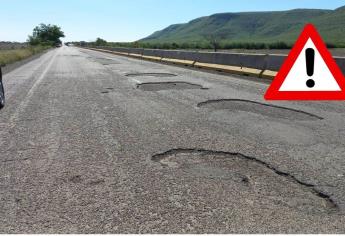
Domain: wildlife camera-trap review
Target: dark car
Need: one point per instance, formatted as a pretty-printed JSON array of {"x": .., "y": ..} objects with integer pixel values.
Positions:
[{"x": 2, "y": 92}]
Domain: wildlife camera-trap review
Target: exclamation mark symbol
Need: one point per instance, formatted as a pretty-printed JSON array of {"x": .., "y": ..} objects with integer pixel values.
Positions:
[{"x": 310, "y": 62}]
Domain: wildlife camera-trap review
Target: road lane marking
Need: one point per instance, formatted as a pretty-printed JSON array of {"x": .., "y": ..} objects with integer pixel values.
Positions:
[
  {"x": 136, "y": 81},
  {"x": 26, "y": 100}
]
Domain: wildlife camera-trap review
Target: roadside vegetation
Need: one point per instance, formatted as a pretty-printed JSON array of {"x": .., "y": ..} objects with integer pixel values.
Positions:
[
  {"x": 12, "y": 45},
  {"x": 211, "y": 45},
  {"x": 46, "y": 35},
  {"x": 42, "y": 38},
  {"x": 11, "y": 56},
  {"x": 207, "y": 45}
]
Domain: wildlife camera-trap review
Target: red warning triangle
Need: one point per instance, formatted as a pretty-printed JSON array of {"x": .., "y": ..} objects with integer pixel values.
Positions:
[{"x": 309, "y": 72}]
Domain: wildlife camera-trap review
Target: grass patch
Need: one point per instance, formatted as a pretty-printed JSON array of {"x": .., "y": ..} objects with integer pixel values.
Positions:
[{"x": 11, "y": 56}]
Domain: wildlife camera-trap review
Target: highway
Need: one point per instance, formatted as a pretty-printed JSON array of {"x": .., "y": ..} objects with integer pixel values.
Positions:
[{"x": 97, "y": 143}]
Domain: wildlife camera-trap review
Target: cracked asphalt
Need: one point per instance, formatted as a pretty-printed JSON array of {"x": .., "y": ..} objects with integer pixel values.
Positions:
[{"x": 85, "y": 149}]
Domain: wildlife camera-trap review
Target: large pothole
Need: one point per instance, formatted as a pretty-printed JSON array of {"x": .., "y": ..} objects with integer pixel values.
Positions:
[
  {"x": 151, "y": 75},
  {"x": 268, "y": 110},
  {"x": 248, "y": 178},
  {"x": 158, "y": 86}
]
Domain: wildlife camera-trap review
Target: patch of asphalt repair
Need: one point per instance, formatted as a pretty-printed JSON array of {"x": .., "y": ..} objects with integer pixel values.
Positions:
[
  {"x": 151, "y": 75},
  {"x": 260, "y": 177},
  {"x": 269, "y": 110},
  {"x": 105, "y": 61},
  {"x": 171, "y": 85}
]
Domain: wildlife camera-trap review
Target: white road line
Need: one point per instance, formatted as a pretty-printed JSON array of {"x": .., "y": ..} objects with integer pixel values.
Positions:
[
  {"x": 137, "y": 81},
  {"x": 25, "y": 102}
]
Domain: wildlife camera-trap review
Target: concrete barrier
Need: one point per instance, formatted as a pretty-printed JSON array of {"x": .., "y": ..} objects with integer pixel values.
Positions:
[
  {"x": 122, "y": 50},
  {"x": 151, "y": 58},
  {"x": 230, "y": 69},
  {"x": 137, "y": 51},
  {"x": 135, "y": 55},
  {"x": 153, "y": 53},
  {"x": 260, "y": 65},
  {"x": 274, "y": 62},
  {"x": 341, "y": 63},
  {"x": 180, "y": 55},
  {"x": 219, "y": 58},
  {"x": 268, "y": 74},
  {"x": 178, "y": 61}
]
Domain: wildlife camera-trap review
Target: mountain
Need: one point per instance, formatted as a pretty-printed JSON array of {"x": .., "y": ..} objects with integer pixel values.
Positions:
[{"x": 265, "y": 27}]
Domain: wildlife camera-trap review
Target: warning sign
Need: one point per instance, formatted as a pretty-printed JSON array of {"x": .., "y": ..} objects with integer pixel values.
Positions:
[{"x": 309, "y": 72}]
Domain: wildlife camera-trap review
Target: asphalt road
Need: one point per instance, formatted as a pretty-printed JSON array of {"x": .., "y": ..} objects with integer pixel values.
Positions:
[{"x": 90, "y": 145}]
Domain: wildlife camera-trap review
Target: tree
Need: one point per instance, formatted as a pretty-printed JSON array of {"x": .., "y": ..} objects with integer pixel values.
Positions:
[
  {"x": 100, "y": 42},
  {"x": 136, "y": 44},
  {"x": 46, "y": 34},
  {"x": 213, "y": 41}
]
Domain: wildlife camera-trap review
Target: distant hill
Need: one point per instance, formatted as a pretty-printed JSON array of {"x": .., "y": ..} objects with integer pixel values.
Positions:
[{"x": 263, "y": 27}]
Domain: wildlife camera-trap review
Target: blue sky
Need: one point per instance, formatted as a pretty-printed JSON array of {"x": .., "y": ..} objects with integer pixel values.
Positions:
[{"x": 125, "y": 20}]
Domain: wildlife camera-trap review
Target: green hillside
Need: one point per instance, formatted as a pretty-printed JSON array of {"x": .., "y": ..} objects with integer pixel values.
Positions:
[{"x": 263, "y": 27}]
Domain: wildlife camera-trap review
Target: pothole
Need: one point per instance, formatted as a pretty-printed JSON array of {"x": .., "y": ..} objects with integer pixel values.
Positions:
[
  {"x": 107, "y": 90},
  {"x": 105, "y": 61},
  {"x": 253, "y": 179},
  {"x": 76, "y": 179},
  {"x": 158, "y": 86},
  {"x": 151, "y": 75},
  {"x": 268, "y": 110}
]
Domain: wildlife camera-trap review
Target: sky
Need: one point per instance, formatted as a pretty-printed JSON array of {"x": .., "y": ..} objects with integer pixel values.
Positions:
[{"x": 125, "y": 20}]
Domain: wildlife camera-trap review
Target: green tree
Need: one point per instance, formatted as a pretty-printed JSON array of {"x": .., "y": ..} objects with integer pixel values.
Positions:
[
  {"x": 100, "y": 42},
  {"x": 213, "y": 42},
  {"x": 46, "y": 35}
]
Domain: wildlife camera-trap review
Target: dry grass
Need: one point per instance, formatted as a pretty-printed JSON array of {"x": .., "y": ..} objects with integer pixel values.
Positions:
[{"x": 11, "y": 56}]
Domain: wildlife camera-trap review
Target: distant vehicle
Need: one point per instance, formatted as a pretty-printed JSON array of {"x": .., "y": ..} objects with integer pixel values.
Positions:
[
  {"x": 2, "y": 92},
  {"x": 58, "y": 45}
]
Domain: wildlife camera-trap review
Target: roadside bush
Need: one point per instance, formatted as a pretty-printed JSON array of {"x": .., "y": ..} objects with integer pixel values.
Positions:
[
  {"x": 205, "y": 45},
  {"x": 46, "y": 35},
  {"x": 10, "y": 56},
  {"x": 278, "y": 45}
]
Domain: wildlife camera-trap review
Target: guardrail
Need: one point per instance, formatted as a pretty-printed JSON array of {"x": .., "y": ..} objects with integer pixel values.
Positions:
[{"x": 259, "y": 65}]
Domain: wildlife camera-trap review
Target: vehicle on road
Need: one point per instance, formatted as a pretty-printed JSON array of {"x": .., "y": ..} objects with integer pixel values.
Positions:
[{"x": 2, "y": 92}]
